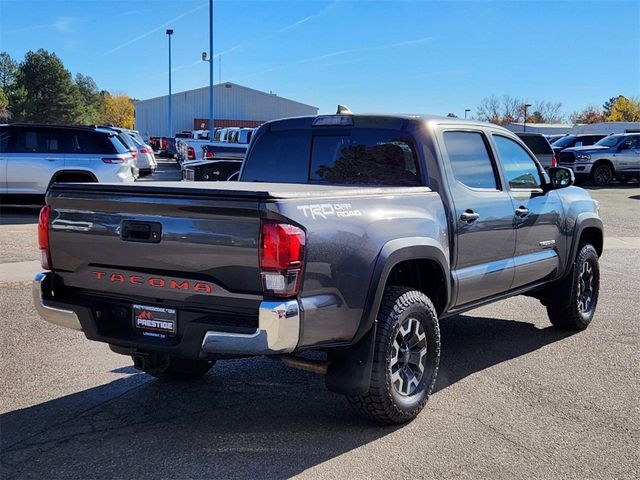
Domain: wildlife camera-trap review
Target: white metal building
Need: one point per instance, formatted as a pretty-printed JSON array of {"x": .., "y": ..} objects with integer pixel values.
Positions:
[
  {"x": 234, "y": 105},
  {"x": 604, "y": 128}
]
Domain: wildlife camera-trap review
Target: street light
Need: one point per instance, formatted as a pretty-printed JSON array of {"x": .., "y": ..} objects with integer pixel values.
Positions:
[
  {"x": 169, "y": 33},
  {"x": 211, "y": 71},
  {"x": 466, "y": 110},
  {"x": 524, "y": 125}
]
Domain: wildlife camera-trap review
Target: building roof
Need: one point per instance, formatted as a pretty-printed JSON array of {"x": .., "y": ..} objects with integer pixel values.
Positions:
[{"x": 219, "y": 86}]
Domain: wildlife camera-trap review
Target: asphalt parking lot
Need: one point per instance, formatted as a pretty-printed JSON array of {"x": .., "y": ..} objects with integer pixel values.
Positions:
[{"x": 514, "y": 399}]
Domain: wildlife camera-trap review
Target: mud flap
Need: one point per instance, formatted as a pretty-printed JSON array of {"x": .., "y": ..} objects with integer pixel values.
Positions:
[{"x": 350, "y": 370}]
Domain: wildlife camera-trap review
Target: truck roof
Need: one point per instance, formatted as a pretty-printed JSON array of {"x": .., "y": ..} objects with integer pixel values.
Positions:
[{"x": 380, "y": 120}]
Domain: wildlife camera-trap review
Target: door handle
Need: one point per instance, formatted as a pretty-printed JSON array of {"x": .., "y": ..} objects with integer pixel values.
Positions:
[
  {"x": 469, "y": 216},
  {"x": 522, "y": 212},
  {"x": 51, "y": 159}
]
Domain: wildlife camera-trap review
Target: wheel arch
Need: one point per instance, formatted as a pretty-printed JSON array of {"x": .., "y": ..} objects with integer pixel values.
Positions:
[
  {"x": 61, "y": 173},
  {"x": 588, "y": 228},
  {"x": 401, "y": 259}
]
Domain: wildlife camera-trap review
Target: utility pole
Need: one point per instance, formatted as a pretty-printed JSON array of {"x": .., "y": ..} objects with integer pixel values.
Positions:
[
  {"x": 219, "y": 68},
  {"x": 466, "y": 110},
  {"x": 170, "y": 120},
  {"x": 211, "y": 128}
]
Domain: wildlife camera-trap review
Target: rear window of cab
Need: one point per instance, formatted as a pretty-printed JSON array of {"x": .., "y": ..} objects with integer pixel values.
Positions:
[{"x": 345, "y": 156}]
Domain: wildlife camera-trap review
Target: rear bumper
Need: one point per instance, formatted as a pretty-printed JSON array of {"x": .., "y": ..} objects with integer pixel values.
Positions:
[
  {"x": 278, "y": 328},
  {"x": 57, "y": 316}
]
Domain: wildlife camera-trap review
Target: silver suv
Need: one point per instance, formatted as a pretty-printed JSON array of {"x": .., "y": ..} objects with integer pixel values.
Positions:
[
  {"x": 32, "y": 157},
  {"x": 613, "y": 156}
]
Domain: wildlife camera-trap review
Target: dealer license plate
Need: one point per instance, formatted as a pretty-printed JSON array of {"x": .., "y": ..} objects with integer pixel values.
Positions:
[{"x": 155, "y": 321}]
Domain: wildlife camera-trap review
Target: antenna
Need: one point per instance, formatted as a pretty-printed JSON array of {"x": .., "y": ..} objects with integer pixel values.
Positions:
[{"x": 343, "y": 110}]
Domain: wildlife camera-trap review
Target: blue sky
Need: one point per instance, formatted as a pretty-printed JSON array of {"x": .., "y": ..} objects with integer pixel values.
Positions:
[{"x": 385, "y": 56}]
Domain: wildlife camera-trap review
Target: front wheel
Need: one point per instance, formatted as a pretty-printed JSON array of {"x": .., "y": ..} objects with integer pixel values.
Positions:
[
  {"x": 601, "y": 174},
  {"x": 576, "y": 298},
  {"x": 406, "y": 358}
]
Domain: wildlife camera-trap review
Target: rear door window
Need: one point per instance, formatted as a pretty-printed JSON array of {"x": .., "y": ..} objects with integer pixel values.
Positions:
[
  {"x": 40, "y": 140},
  {"x": 470, "y": 160}
]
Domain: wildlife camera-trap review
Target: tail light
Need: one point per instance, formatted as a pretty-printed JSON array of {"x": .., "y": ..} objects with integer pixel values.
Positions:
[
  {"x": 191, "y": 153},
  {"x": 208, "y": 154},
  {"x": 145, "y": 150},
  {"x": 43, "y": 237},
  {"x": 554, "y": 161},
  {"x": 163, "y": 142},
  {"x": 133, "y": 152},
  {"x": 281, "y": 258},
  {"x": 115, "y": 160}
]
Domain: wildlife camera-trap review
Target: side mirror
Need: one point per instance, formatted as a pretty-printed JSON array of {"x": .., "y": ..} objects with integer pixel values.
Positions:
[{"x": 561, "y": 177}]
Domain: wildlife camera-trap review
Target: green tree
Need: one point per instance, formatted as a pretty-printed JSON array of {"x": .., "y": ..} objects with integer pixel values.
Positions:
[
  {"x": 624, "y": 110},
  {"x": 92, "y": 108},
  {"x": 5, "y": 113},
  {"x": 45, "y": 91},
  {"x": 606, "y": 108},
  {"x": 8, "y": 69}
]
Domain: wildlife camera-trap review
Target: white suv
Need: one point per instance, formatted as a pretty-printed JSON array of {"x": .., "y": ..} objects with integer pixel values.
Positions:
[{"x": 32, "y": 157}]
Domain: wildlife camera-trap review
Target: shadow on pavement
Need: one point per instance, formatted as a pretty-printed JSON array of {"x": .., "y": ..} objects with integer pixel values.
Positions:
[{"x": 245, "y": 419}]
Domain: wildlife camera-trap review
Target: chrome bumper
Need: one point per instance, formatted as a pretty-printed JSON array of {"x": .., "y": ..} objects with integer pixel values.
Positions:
[
  {"x": 278, "y": 332},
  {"x": 57, "y": 316}
]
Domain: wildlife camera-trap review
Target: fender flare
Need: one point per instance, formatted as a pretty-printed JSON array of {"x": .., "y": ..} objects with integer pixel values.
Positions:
[
  {"x": 583, "y": 221},
  {"x": 392, "y": 253}
]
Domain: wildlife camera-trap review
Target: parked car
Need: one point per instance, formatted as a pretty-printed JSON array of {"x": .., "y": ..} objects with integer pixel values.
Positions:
[
  {"x": 540, "y": 147},
  {"x": 170, "y": 147},
  {"x": 154, "y": 142},
  {"x": 350, "y": 235},
  {"x": 145, "y": 160},
  {"x": 128, "y": 142},
  {"x": 34, "y": 156},
  {"x": 553, "y": 138},
  {"x": 613, "y": 156},
  {"x": 569, "y": 141}
]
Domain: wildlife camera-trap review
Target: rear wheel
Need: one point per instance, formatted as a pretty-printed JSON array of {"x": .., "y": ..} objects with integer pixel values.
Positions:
[
  {"x": 406, "y": 358},
  {"x": 601, "y": 174},
  {"x": 574, "y": 302}
]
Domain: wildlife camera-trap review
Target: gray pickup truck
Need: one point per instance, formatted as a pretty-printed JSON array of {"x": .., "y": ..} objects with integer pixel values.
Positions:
[{"x": 350, "y": 235}]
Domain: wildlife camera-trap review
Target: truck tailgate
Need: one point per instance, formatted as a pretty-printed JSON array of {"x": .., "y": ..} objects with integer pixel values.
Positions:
[{"x": 144, "y": 242}]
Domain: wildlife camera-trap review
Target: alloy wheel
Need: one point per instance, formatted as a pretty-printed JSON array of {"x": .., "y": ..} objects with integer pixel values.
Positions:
[{"x": 408, "y": 357}]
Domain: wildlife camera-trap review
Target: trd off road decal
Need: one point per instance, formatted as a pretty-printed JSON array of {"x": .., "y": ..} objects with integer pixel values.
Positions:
[{"x": 324, "y": 210}]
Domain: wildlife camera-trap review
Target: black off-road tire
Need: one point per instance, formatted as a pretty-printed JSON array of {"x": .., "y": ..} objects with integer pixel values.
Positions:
[
  {"x": 602, "y": 174},
  {"x": 566, "y": 309},
  {"x": 383, "y": 403},
  {"x": 181, "y": 369}
]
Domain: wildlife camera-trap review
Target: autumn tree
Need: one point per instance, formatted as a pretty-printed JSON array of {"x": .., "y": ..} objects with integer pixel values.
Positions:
[
  {"x": 118, "y": 110},
  {"x": 624, "y": 109},
  {"x": 590, "y": 114},
  {"x": 507, "y": 109},
  {"x": 606, "y": 108}
]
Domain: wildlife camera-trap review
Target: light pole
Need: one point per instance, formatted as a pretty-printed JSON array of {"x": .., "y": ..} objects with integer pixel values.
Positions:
[
  {"x": 211, "y": 71},
  {"x": 170, "y": 126},
  {"x": 210, "y": 60},
  {"x": 524, "y": 125},
  {"x": 466, "y": 110}
]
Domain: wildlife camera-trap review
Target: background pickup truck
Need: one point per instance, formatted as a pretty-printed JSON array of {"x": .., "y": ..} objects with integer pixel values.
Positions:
[{"x": 350, "y": 235}]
